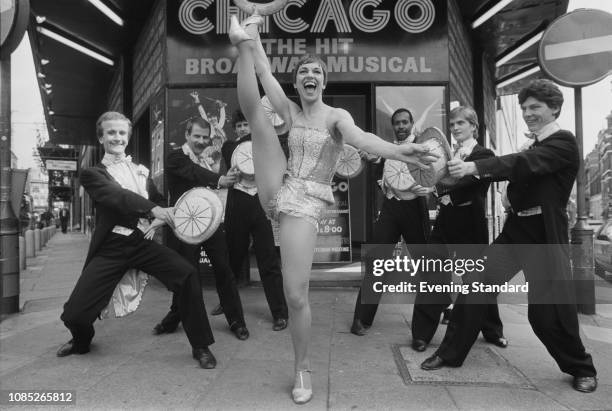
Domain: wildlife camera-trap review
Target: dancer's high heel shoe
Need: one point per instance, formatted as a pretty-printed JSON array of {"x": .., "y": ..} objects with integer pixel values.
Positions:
[
  {"x": 236, "y": 32},
  {"x": 302, "y": 390}
]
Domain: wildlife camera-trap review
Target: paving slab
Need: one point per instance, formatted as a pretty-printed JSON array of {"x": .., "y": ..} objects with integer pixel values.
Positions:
[
  {"x": 483, "y": 367},
  {"x": 358, "y": 390},
  {"x": 560, "y": 389},
  {"x": 472, "y": 398},
  {"x": 262, "y": 385}
]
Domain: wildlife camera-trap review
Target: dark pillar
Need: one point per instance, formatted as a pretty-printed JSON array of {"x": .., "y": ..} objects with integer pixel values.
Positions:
[
  {"x": 9, "y": 224},
  {"x": 582, "y": 236}
]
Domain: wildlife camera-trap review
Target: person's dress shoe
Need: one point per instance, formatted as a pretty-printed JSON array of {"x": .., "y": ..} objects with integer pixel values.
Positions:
[
  {"x": 445, "y": 316},
  {"x": 585, "y": 384},
  {"x": 358, "y": 328},
  {"x": 240, "y": 331},
  {"x": 279, "y": 324},
  {"x": 218, "y": 310},
  {"x": 205, "y": 357},
  {"x": 433, "y": 363},
  {"x": 70, "y": 348},
  {"x": 162, "y": 329},
  {"x": 302, "y": 389},
  {"x": 419, "y": 345},
  {"x": 500, "y": 342}
]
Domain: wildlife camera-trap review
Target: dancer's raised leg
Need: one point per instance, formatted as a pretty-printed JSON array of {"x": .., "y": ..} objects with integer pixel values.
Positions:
[
  {"x": 268, "y": 157},
  {"x": 297, "y": 243}
]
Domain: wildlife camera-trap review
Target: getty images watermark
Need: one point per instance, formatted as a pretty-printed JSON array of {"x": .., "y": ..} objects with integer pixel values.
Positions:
[
  {"x": 436, "y": 266},
  {"x": 512, "y": 273}
]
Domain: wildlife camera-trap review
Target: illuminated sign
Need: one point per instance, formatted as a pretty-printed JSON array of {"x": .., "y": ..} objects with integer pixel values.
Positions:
[{"x": 360, "y": 40}]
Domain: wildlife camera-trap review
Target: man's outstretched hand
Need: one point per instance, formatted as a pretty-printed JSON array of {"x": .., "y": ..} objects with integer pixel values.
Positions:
[{"x": 164, "y": 214}]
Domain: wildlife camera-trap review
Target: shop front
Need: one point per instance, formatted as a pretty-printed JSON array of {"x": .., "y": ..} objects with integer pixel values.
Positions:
[{"x": 381, "y": 55}]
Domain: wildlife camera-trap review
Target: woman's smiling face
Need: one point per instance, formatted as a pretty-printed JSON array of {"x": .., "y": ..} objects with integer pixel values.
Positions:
[{"x": 310, "y": 81}]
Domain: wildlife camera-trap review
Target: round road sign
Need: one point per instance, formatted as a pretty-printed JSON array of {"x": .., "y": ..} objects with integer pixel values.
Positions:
[
  {"x": 576, "y": 49},
  {"x": 14, "y": 16}
]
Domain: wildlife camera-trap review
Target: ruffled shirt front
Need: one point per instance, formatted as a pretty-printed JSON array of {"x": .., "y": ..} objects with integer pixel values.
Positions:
[{"x": 128, "y": 292}]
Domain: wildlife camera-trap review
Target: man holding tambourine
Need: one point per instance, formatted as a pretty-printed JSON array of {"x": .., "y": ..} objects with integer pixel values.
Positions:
[
  {"x": 245, "y": 218},
  {"x": 195, "y": 220},
  {"x": 461, "y": 220},
  {"x": 404, "y": 213}
]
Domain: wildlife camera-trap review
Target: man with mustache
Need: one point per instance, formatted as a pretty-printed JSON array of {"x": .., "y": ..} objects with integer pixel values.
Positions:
[
  {"x": 124, "y": 196},
  {"x": 187, "y": 168}
]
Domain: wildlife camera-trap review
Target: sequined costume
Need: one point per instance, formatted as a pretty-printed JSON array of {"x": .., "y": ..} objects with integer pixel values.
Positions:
[{"x": 306, "y": 189}]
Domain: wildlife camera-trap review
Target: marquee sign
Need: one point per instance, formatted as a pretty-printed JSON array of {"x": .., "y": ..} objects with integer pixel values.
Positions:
[{"x": 361, "y": 40}]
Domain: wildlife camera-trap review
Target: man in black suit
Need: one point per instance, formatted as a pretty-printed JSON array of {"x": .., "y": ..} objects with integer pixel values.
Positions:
[
  {"x": 541, "y": 180},
  {"x": 244, "y": 218},
  {"x": 124, "y": 196},
  {"x": 461, "y": 220},
  {"x": 187, "y": 169},
  {"x": 64, "y": 216},
  {"x": 401, "y": 216}
]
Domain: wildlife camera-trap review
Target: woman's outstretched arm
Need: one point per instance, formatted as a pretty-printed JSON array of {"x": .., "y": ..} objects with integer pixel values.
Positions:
[{"x": 355, "y": 136}]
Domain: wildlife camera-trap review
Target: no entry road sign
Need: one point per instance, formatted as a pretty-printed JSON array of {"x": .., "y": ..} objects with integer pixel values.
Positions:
[{"x": 576, "y": 49}]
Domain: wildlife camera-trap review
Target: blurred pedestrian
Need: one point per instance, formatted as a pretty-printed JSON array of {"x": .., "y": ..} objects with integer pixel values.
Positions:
[{"x": 64, "y": 216}]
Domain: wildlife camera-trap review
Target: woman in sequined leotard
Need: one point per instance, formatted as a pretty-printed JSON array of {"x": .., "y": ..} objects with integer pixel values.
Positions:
[{"x": 296, "y": 191}]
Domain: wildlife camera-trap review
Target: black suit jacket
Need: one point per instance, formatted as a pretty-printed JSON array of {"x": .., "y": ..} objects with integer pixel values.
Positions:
[
  {"x": 540, "y": 176},
  {"x": 467, "y": 189},
  {"x": 114, "y": 204},
  {"x": 183, "y": 175}
]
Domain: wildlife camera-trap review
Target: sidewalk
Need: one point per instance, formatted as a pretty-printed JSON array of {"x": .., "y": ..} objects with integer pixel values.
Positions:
[{"x": 128, "y": 368}]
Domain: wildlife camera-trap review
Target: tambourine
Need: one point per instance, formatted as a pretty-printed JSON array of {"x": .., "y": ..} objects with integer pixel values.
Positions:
[
  {"x": 397, "y": 176},
  {"x": 350, "y": 163},
  {"x": 242, "y": 158},
  {"x": 280, "y": 127},
  {"x": 197, "y": 215},
  {"x": 433, "y": 138}
]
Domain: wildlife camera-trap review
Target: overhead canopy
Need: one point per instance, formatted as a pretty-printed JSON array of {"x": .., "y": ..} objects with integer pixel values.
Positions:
[{"x": 80, "y": 84}]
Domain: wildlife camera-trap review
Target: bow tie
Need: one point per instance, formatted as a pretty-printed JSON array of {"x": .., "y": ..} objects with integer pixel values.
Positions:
[{"x": 110, "y": 159}]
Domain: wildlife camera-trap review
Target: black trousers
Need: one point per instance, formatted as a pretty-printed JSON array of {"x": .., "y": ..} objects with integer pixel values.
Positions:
[
  {"x": 245, "y": 217},
  {"x": 64, "y": 224},
  {"x": 397, "y": 218},
  {"x": 454, "y": 225},
  {"x": 100, "y": 276},
  {"x": 556, "y": 325},
  {"x": 225, "y": 282}
]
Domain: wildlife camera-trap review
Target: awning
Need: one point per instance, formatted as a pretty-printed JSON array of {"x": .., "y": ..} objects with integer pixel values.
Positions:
[{"x": 80, "y": 84}]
